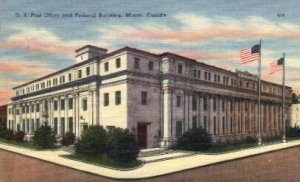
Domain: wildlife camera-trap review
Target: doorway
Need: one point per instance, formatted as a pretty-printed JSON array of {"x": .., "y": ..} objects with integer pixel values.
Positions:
[{"x": 142, "y": 135}]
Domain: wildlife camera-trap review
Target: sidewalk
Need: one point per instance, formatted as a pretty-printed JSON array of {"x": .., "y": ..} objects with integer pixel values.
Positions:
[{"x": 149, "y": 169}]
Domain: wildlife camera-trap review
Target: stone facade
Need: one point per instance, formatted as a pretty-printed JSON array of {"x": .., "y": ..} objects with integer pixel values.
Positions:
[
  {"x": 295, "y": 121},
  {"x": 156, "y": 96}
]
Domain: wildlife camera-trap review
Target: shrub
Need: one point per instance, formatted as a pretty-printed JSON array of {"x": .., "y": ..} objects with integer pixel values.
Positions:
[
  {"x": 122, "y": 145},
  {"x": 194, "y": 140},
  {"x": 250, "y": 139},
  {"x": 9, "y": 134},
  {"x": 44, "y": 137},
  {"x": 68, "y": 139},
  {"x": 3, "y": 131},
  {"x": 19, "y": 136},
  {"x": 293, "y": 131},
  {"x": 93, "y": 141}
]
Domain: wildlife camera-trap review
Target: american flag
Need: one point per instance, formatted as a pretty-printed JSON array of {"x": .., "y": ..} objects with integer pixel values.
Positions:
[
  {"x": 276, "y": 66},
  {"x": 250, "y": 54}
]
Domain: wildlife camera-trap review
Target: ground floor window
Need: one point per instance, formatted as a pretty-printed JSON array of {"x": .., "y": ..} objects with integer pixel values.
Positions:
[
  {"x": 194, "y": 124},
  {"x": 215, "y": 125},
  {"x": 178, "y": 128},
  {"x": 110, "y": 128},
  {"x": 70, "y": 124},
  {"x": 32, "y": 126},
  {"x": 37, "y": 123},
  {"x": 205, "y": 123},
  {"x": 62, "y": 126},
  {"x": 84, "y": 126},
  {"x": 55, "y": 126}
]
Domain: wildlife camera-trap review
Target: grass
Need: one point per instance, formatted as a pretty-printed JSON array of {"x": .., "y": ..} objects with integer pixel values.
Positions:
[
  {"x": 104, "y": 160},
  {"x": 25, "y": 144}
]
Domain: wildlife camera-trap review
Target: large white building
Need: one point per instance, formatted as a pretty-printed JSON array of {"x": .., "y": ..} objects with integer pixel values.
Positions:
[{"x": 156, "y": 96}]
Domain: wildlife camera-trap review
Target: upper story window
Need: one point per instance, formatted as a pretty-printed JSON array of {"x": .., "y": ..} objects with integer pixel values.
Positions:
[
  {"x": 179, "y": 69},
  {"x": 199, "y": 74},
  {"x": 178, "y": 100},
  {"x": 79, "y": 73},
  {"x": 150, "y": 66},
  {"x": 84, "y": 104},
  {"x": 144, "y": 98},
  {"x": 62, "y": 104},
  {"x": 55, "y": 105},
  {"x": 118, "y": 63},
  {"x": 87, "y": 70},
  {"x": 70, "y": 77},
  {"x": 106, "y": 99},
  {"x": 106, "y": 66},
  {"x": 70, "y": 104},
  {"x": 118, "y": 97},
  {"x": 195, "y": 73},
  {"x": 136, "y": 62}
]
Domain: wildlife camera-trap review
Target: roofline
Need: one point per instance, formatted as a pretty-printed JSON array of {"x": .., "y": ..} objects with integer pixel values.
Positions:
[
  {"x": 126, "y": 48},
  {"x": 103, "y": 49},
  {"x": 97, "y": 58}
]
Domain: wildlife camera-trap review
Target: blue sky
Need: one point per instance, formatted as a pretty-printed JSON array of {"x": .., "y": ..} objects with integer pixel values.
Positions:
[{"x": 210, "y": 31}]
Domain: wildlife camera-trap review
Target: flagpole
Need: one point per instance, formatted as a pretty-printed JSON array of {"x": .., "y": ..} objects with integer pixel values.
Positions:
[
  {"x": 283, "y": 100},
  {"x": 259, "y": 95}
]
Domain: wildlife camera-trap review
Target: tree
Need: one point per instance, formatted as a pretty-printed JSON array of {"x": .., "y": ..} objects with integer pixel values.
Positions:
[
  {"x": 93, "y": 141},
  {"x": 194, "y": 140},
  {"x": 44, "y": 137},
  {"x": 295, "y": 98},
  {"x": 122, "y": 145}
]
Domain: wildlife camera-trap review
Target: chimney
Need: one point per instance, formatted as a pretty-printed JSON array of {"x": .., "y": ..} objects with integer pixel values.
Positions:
[{"x": 88, "y": 52}]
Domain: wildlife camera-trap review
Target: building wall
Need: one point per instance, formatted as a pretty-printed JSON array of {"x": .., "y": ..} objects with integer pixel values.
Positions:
[
  {"x": 295, "y": 120},
  {"x": 181, "y": 94}
]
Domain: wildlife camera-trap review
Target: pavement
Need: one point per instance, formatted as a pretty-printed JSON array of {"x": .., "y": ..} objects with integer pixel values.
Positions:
[{"x": 160, "y": 165}]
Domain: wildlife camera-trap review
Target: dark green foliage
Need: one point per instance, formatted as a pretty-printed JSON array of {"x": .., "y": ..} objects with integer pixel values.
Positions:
[
  {"x": 68, "y": 139},
  {"x": 44, "y": 137},
  {"x": 6, "y": 133},
  {"x": 194, "y": 140},
  {"x": 122, "y": 145},
  {"x": 19, "y": 136},
  {"x": 293, "y": 131},
  {"x": 250, "y": 139},
  {"x": 93, "y": 141},
  {"x": 295, "y": 98}
]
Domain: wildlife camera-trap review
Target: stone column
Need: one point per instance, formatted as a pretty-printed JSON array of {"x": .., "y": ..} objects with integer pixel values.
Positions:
[
  {"x": 167, "y": 117},
  {"x": 76, "y": 114},
  {"x": 211, "y": 115}
]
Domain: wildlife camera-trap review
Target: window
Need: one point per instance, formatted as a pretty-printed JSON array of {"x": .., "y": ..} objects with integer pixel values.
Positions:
[
  {"x": 37, "y": 108},
  {"x": 214, "y": 104},
  {"x": 178, "y": 100},
  {"x": 179, "y": 69},
  {"x": 194, "y": 122},
  {"x": 223, "y": 105},
  {"x": 150, "y": 66},
  {"x": 118, "y": 97},
  {"x": 110, "y": 128},
  {"x": 209, "y": 76},
  {"x": 223, "y": 124},
  {"x": 27, "y": 126},
  {"x": 87, "y": 70},
  {"x": 144, "y": 98},
  {"x": 70, "y": 100},
  {"x": 205, "y": 103},
  {"x": 62, "y": 104},
  {"x": 178, "y": 128},
  {"x": 55, "y": 105},
  {"x": 205, "y": 122},
  {"x": 136, "y": 62},
  {"x": 70, "y": 77},
  {"x": 37, "y": 123},
  {"x": 84, "y": 104},
  {"x": 118, "y": 63},
  {"x": 32, "y": 108},
  {"x": 106, "y": 99},
  {"x": 199, "y": 74},
  {"x": 70, "y": 124},
  {"x": 85, "y": 126},
  {"x": 79, "y": 73},
  {"x": 27, "y": 109},
  {"x": 106, "y": 66},
  {"x": 194, "y": 102},
  {"x": 32, "y": 126},
  {"x": 62, "y": 126},
  {"x": 195, "y": 73},
  {"x": 215, "y": 125}
]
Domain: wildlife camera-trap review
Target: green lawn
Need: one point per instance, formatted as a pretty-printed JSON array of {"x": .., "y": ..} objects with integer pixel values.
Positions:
[
  {"x": 103, "y": 160},
  {"x": 25, "y": 144}
]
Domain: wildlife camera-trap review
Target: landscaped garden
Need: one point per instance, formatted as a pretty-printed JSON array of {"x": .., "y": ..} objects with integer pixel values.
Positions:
[{"x": 115, "y": 149}]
